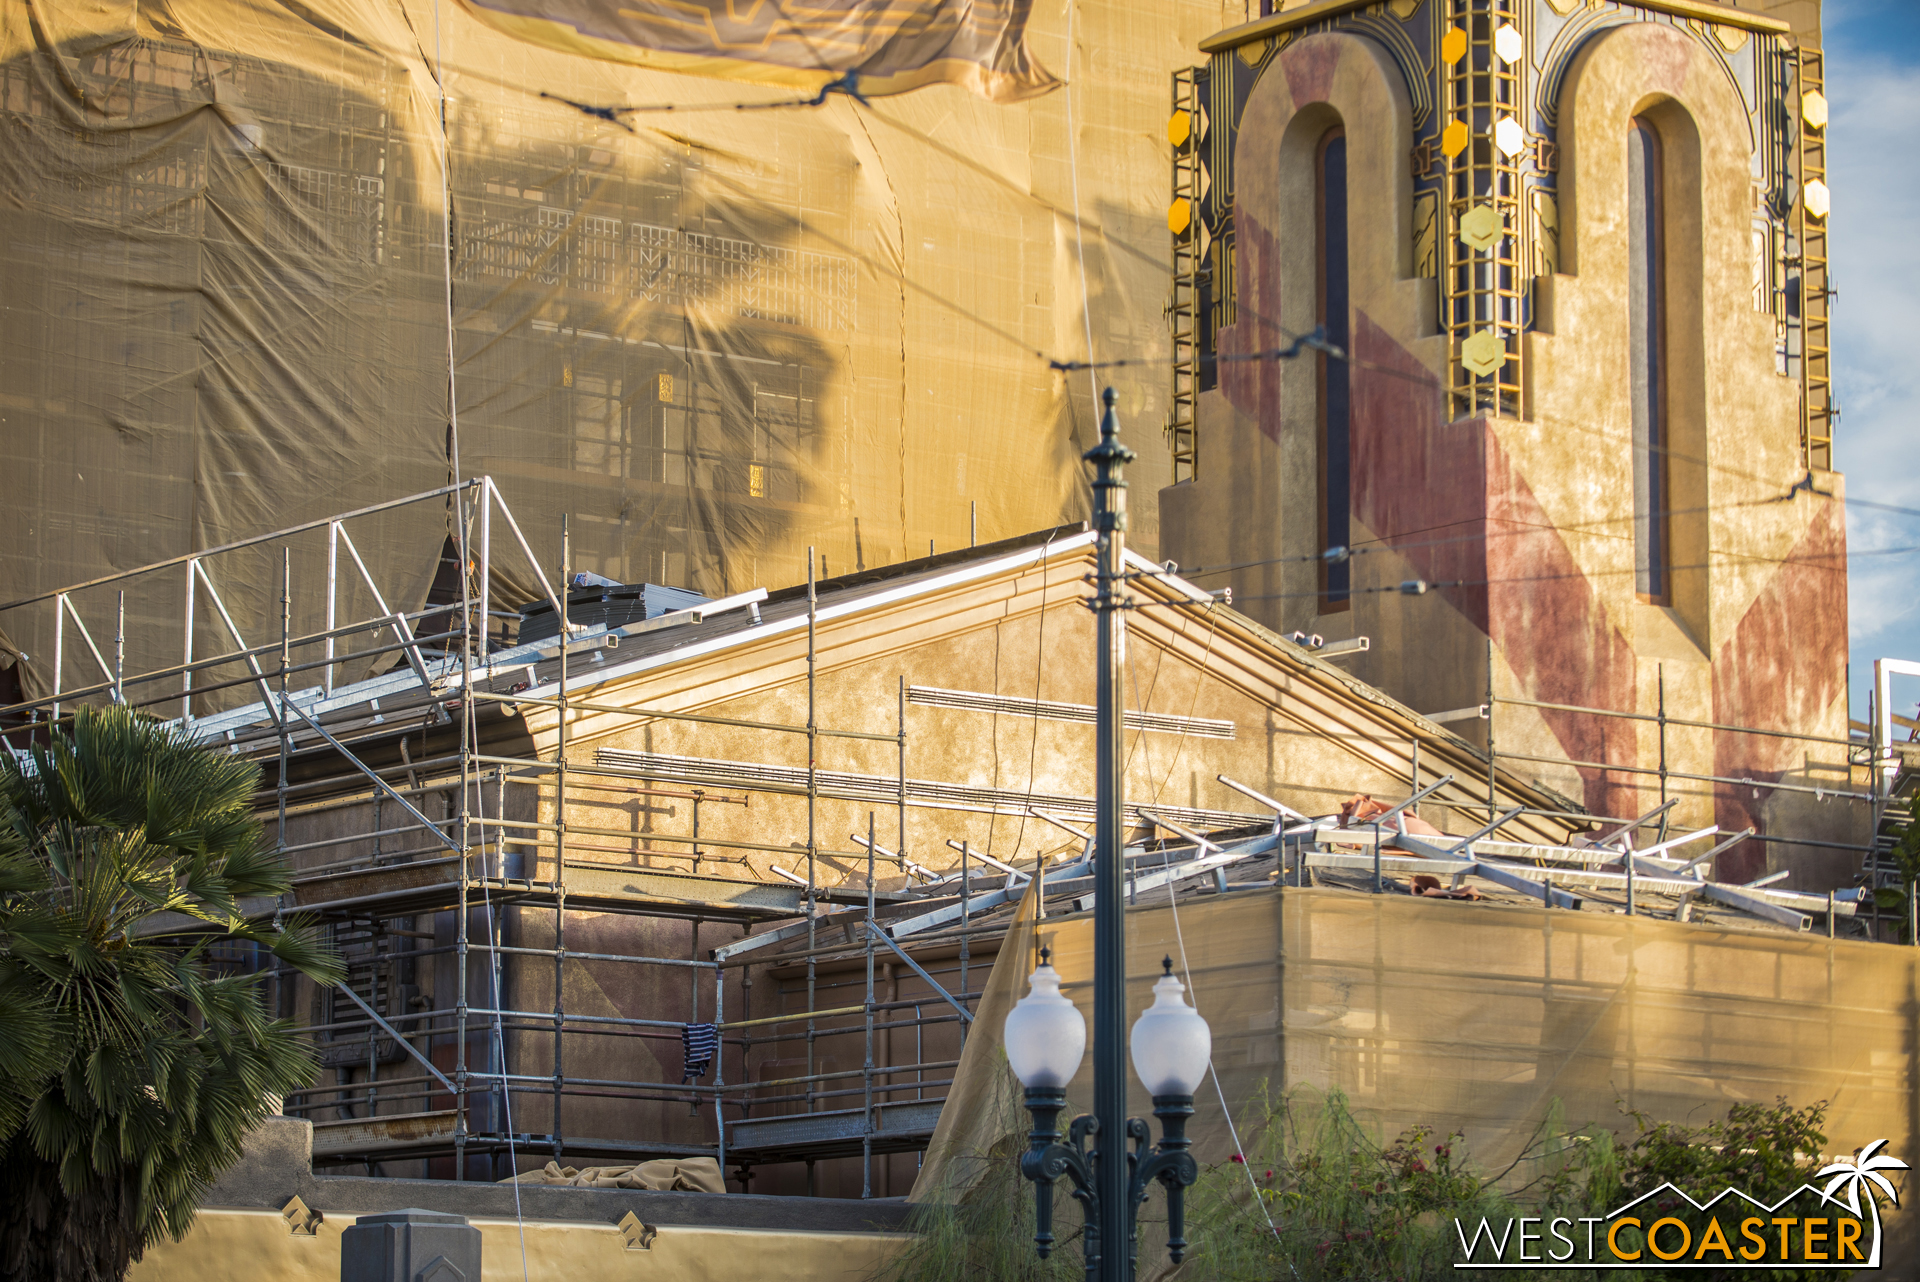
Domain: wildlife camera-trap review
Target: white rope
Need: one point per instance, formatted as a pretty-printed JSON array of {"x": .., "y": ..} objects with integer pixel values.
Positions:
[{"x": 1173, "y": 903}]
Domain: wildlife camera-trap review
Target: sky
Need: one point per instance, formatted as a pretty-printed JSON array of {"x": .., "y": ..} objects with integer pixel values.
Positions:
[{"x": 1873, "y": 168}]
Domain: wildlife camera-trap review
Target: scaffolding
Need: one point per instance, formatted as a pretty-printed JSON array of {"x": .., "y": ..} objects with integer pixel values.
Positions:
[
  {"x": 417, "y": 828},
  {"x": 418, "y": 778},
  {"x": 1187, "y": 302},
  {"x": 1816, "y": 284}
]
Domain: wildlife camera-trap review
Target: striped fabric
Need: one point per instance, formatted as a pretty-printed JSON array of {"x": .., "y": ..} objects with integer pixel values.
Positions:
[{"x": 699, "y": 1042}]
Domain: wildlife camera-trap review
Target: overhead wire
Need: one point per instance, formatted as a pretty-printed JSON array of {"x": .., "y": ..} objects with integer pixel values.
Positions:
[
  {"x": 1521, "y": 529},
  {"x": 1296, "y": 345},
  {"x": 1420, "y": 587},
  {"x": 467, "y": 710}
]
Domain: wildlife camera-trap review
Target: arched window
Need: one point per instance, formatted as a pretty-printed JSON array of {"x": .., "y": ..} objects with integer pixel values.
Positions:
[
  {"x": 1335, "y": 457},
  {"x": 1647, "y": 340}
]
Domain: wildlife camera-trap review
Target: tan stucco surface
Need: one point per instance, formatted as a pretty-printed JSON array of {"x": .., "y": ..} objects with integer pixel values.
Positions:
[{"x": 246, "y": 1246}]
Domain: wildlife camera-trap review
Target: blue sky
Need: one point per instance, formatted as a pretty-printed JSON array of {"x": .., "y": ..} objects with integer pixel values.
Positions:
[{"x": 1873, "y": 162}]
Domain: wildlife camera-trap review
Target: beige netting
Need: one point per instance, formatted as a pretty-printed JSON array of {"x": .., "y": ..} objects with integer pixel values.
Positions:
[
  {"x": 714, "y": 337},
  {"x": 1481, "y": 1017}
]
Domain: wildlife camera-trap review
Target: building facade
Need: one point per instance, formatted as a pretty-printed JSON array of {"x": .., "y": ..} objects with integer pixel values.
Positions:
[{"x": 1561, "y": 449}]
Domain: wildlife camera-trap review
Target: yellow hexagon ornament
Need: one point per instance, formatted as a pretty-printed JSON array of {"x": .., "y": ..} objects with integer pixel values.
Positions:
[
  {"x": 1453, "y": 46},
  {"x": 1817, "y": 198},
  {"x": 1453, "y": 139},
  {"x": 1180, "y": 216},
  {"x": 1482, "y": 353},
  {"x": 1813, "y": 109},
  {"x": 1508, "y": 44},
  {"x": 1480, "y": 227},
  {"x": 1179, "y": 128}
]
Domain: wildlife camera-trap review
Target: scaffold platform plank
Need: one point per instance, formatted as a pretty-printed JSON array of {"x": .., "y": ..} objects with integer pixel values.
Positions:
[{"x": 899, "y": 1128}]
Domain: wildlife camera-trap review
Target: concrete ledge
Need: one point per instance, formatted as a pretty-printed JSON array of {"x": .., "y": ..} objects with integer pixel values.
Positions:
[{"x": 278, "y": 1165}]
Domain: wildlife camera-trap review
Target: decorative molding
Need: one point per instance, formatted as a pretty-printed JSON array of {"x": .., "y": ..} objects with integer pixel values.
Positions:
[
  {"x": 301, "y": 1219},
  {"x": 1261, "y": 28},
  {"x": 639, "y": 1236},
  {"x": 1046, "y": 710}
]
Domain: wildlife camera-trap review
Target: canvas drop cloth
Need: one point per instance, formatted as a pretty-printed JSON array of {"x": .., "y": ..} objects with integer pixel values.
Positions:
[{"x": 663, "y": 1175}]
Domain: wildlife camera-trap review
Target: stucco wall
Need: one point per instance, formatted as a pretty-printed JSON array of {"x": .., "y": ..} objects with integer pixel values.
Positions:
[{"x": 1527, "y": 522}]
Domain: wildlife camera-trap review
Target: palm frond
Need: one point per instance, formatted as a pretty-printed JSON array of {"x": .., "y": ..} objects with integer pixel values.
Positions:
[{"x": 126, "y": 1060}]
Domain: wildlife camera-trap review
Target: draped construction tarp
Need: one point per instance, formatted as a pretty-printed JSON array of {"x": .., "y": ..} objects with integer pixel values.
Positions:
[
  {"x": 1490, "y": 1019},
  {"x": 887, "y": 47},
  {"x": 715, "y": 338}
]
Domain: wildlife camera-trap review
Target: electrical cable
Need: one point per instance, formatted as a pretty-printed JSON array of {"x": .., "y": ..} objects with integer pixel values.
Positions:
[
  {"x": 467, "y": 711},
  {"x": 1039, "y": 670},
  {"x": 1340, "y": 554},
  {"x": 1420, "y": 587}
]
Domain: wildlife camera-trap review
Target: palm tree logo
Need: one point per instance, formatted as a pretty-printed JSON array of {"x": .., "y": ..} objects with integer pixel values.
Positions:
[{"x": 1864, "y": 1172}]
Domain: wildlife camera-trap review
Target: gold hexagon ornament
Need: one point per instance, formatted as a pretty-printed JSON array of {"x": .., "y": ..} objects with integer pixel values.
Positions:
[
  {"x": 1482, "y": 353},
  {"x": 1180, "y": 128},
  {"x": 1453, "y": 139},
  {"x": 1509, "y": 137},
  {"x": 1180, "y": 216},
  {"x": 1453, "y": 46},
  {"x": 1817, "y": 198},
  {"x": 1480, "y": 227},
  {"x": 1813, "y": 109},
  {"x": 1508, "y": 44}
]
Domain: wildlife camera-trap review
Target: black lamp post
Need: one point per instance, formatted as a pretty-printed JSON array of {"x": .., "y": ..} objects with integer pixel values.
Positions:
[{"x": 1045, "y": 1034}]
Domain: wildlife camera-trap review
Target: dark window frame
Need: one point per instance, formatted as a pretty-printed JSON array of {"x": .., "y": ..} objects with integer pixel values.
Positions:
[
  {"x": 1333, "y": 416},
  {"x": 1648, "y": 358}
]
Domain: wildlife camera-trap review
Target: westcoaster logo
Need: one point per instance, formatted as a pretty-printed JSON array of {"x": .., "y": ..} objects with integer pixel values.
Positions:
[{"x": 1669, "y": 1229}]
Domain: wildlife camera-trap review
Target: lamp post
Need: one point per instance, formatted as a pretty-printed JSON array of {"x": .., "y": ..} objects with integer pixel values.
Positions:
[{"x": 1046, "y": 1036}]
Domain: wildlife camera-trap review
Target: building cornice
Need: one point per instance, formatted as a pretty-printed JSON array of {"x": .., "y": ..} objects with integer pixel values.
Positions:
[{"x": 1261, "y": 28}]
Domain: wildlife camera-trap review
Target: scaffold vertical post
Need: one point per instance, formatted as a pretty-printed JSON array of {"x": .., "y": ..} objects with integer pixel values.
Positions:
[
  {"x": 966, "y": 922},
  {"x": 813, "y": 836},
  {"x": 286, "y": 662},
  {"x": 560, "y": 838},
  {"x": 866, "y": 1074},
  {"x": 1490, "y": 724},
  {"x": 1661, "y": 710}
]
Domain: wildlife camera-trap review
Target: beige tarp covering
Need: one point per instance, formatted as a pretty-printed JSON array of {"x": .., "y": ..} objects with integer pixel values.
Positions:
[
  {"x": 663, "y": 1175},
  {"x": 975, "y": 1115},
  {"x": 714, "y": 337},
  {"x": 1480, "y": 1017},
  {"x": 888, "y": 48}
]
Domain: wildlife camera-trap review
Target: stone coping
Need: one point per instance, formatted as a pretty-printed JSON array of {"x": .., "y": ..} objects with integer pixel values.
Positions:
[{"x": 278, "y": 1166}]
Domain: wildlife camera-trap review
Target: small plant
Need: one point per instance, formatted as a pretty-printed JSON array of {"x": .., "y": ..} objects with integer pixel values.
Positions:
[
  {"x": 1763, "y": 1150},
  {"x": 1342, "y": 1205},
  {"x": 983, "y": 1226},
  {"x": 1316, "y": 1197}
]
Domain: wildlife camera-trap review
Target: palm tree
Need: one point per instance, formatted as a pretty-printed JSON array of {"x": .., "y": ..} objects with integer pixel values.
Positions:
[
  {"x": 1864, "y": 1173},
  {"x": 133, "y": 1062}
]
